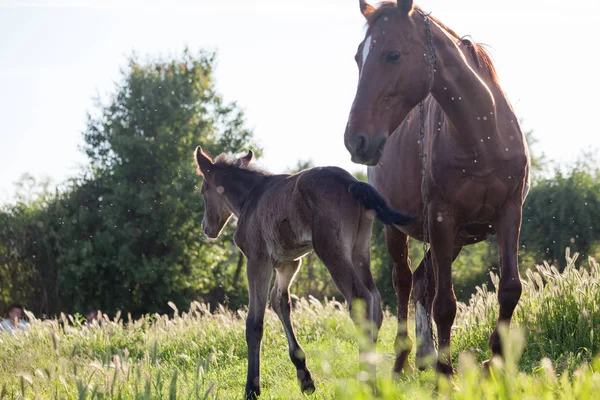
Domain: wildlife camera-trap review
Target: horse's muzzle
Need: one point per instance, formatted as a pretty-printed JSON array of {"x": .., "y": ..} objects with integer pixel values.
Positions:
[{"x": 364, "y": 149}]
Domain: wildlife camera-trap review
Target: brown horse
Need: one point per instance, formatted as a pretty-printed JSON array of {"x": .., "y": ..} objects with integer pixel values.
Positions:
[
  {"x": 281, "y": 218},
  {"x": 474, "y": 176}
]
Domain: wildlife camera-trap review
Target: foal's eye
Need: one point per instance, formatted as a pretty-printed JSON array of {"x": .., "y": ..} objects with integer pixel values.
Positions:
[{"x": 392, "y": 56}]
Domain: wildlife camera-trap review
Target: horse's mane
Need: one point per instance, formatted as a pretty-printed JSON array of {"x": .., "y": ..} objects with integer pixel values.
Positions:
[
  {"x": 479, "y": 55},
  {"x": 225, "y": 161}
]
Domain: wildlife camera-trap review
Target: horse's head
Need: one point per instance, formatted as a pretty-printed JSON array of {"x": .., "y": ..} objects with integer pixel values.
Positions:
[
  {"x": 394, "y": 76},
  {"x": 217, "y": 208}
]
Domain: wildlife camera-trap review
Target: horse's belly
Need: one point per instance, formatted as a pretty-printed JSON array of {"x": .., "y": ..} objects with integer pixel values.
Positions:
[{"x": 474, "y": 233}]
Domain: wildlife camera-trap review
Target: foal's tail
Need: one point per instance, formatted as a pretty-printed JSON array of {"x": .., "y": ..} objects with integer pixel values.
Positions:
[{"x": 371, "y": 200}]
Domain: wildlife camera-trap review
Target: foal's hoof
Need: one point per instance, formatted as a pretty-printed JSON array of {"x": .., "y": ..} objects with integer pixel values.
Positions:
[
  {"x": 307, "y": 386},
  {"x": 252, "y": 394},
  {"x": 487, "y": 365}
]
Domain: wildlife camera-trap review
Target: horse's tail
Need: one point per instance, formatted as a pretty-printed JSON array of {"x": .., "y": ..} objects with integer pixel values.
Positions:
[{"x": 371, "y": 200}]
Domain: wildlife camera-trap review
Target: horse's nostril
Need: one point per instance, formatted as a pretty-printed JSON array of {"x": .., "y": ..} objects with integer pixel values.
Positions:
[{"x": 361, "y": 144}]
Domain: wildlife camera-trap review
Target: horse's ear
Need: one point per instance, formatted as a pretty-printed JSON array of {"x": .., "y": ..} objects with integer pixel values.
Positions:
[
  {"x": 203, "y": 161},
  {"x": 405, "y": 6},
  {"x": 247, "y": 158},
  {"x": 365, "y": 8}
]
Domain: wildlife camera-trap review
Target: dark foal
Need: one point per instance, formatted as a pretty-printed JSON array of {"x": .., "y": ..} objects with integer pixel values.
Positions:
[{"x": 281, "y": 218}]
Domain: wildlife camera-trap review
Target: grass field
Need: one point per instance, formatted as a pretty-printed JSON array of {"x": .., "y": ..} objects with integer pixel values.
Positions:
[{"x": 198, "y": 354}]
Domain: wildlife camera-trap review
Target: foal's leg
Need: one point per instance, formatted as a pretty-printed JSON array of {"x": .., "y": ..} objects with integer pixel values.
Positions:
[
  {"x": 442, "y": 234},
  {"x": 334, "y": 248},
  {"x": 259, "y": 276},
  {"x": 397, "y": 246},
  {"x": 509, "y": 291},
  {"x": 280, "y": 302},
  {"x": 361, "y": 258},
  {"x": 423, "y": 300}
]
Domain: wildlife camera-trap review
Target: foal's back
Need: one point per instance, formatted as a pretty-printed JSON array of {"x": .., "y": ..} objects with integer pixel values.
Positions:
[{"x": 283, "y": 210}]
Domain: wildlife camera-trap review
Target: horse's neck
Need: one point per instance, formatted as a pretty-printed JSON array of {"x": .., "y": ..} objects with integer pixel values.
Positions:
[
  {"x": 468, "y": 101},
  {"x": 239, "y": 186}
]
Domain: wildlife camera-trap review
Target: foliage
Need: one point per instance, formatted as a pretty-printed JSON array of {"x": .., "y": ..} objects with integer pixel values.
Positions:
[
  {"x": 199, "y": 354},
  {"x": 559, "y": 312},
  {"x": 126, "y": 234},
  {"x": 562, "y": 211}
]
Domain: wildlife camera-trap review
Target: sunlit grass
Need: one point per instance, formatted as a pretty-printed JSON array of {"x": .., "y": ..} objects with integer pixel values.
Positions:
[{"x": 198, "y": 354}]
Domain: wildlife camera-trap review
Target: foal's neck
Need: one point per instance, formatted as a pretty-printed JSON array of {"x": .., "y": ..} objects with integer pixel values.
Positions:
[
  {"x": 239, "y": 186},
  {"x": 467, "y": 100}
]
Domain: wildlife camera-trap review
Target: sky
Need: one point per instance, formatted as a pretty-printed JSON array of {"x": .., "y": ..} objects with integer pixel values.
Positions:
[{"x": 288, "y": 64}]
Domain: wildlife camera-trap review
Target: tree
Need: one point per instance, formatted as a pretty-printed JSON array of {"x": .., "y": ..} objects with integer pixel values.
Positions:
[
  {"x": 126, "y": 234},
  {"x": 564, "y": 211}
]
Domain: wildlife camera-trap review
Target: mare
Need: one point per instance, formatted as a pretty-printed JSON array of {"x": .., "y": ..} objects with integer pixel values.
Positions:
[
  {"x": 281, "y": 218},
  {"x": 459, "y": 161}
]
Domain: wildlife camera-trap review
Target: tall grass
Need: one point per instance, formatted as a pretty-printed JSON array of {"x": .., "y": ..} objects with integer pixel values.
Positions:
[{"x": 199, "y": 354}]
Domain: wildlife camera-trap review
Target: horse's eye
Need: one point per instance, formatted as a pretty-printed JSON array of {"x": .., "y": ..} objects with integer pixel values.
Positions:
[{"x": 392, "y": 56}]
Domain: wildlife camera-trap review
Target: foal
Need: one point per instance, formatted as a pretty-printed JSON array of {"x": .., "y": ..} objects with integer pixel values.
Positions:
[{"x": 281, "y": 218}]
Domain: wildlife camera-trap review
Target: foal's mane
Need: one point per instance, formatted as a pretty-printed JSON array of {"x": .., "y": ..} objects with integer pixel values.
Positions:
[
  {"x": 224, "y": 161},
  {"x": 479, "y": 55}
]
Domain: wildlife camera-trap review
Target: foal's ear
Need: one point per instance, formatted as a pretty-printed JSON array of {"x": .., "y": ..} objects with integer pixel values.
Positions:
[
  {"x": 244, "y": 161},
  {"x": 365, "y": 8},
  {"x": 203, "y": 161},
  {"x": 405, "y": 6}
]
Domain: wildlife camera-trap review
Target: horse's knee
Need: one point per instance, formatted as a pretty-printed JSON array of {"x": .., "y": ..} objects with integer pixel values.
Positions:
[
  {"x": 274, "y": 299},
  {"x": 509, "y": 294},
  {"x": 377, "y": 309},
  {"x": 254, "y": 329},
  {"x": 444, "y": 308},
  {"x": 419, "y": 290}
]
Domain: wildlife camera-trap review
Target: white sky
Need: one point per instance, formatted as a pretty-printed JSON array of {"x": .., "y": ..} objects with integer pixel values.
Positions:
[{"x": 289, "y": 64}]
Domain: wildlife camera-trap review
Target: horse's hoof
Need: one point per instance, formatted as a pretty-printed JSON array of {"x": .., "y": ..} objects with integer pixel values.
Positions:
[
  {"x": 307, "y": 386},
  {"x": 445, "y": 369},
  {"x": 485, "y": 367},
  {"x": 402, "y": 366},
  {"x": 404, "y": 370},
  {"x": 252, "y": 393},
  {"x": 425, "y": 362}
]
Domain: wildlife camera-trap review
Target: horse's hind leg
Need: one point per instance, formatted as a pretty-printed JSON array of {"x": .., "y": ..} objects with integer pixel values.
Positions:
[
  {"x": 509, "y": 290},
  {"x": 334, "y": 248},
  {"x": 361, "y": 258},
  {"x": 397, "y": 246},
  {"x": 280, "y": 302}
]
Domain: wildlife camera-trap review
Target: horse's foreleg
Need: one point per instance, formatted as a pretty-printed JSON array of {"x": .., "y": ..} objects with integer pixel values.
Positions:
[
  {"x": 442, "y": 234},
  {"x": 423, "y": 299},
  {"x": 280, "y": 302},
  {"x": 397, "y": 246},
  {"x": 509, "y": 291},
  {"x": 334, "y": 249},
  {"x": 259, "y": 276}
]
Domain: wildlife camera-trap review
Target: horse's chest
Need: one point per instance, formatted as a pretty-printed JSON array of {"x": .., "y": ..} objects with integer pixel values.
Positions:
[{"x": 474, "y": 200}]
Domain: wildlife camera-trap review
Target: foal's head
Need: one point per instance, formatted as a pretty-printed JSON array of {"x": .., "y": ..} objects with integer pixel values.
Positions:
[
  {"x": 217, "y": 208},
  {"x": 394, "y": 77}
]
